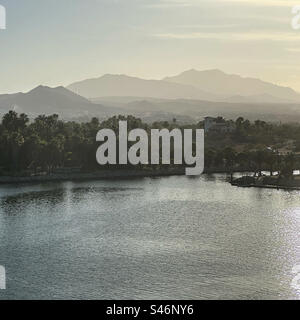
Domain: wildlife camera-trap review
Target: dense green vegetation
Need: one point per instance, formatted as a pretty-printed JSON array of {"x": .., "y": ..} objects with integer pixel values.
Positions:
[
  {"x": 48, "y": 143},
  {"x": 255, "y": 147}
]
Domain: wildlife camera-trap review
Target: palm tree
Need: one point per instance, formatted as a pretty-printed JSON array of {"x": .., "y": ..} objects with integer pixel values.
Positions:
[
  {"x": 270, "y": 160},
  {"x": 288, "y": 166}
]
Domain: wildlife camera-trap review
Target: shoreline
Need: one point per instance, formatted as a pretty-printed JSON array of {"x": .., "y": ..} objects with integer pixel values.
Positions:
[
  {"x": 131, "y": 174},
  {"x": 266, "y": 183},
  {"x": 103, "y": 175},
  {"x": 266, "y": 186},
  {"x": 98, "y": 175}
]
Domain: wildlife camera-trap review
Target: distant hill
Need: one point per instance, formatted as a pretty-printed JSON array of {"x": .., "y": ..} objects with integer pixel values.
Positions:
[
  {"x": 70, "y": 106},
  {"x": 188, "y": 97},
  {"x": 229, "y": 85},
  {"x": 122, "y": 85},
  {"x": 198, "y": 109},
  {"x": 260, "y": 98},
  {"x": 46, "y": 100},
  {"x": 209, "y": 85}
]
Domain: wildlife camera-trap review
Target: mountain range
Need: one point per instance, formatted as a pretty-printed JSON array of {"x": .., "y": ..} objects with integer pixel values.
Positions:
[
  {"x": 122, "y": 85},
  {"x": 230, "y": 86},
  {"x": 46, "y": 100},
  {"x": 211, "y": 85},
  {"x": 188, "y": 97}
]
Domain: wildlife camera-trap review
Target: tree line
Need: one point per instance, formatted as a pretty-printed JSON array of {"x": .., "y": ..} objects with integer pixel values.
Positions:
[{"x": 47, "y": 143}]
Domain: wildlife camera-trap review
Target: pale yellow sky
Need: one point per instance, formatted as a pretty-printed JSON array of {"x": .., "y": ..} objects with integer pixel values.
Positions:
[{"x": 56, "y": 42}]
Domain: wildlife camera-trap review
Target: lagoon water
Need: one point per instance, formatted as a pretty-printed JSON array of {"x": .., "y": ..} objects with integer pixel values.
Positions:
[{"x": 149, "y": 238}]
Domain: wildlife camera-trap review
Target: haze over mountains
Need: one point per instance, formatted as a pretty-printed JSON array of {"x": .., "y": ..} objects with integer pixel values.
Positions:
[
  {"x": 122, "y": 85},
  {"x": 234, "y": 86},
  {"x": 70, "y": 106},
  {"x": 188, "y": 97},
  {"x": 212, "y": 85},
  {"x": 46, "y": 100}
]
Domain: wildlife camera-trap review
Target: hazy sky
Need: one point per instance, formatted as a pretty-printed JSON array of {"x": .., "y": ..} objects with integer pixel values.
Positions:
[{"x": 56, "y": 42}]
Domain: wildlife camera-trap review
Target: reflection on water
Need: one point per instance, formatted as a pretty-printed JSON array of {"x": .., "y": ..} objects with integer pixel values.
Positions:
[{"x": 162, "y": 238}]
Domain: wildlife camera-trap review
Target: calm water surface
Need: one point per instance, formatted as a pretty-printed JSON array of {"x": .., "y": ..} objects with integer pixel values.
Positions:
[{"x": 151, "y": 238}]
